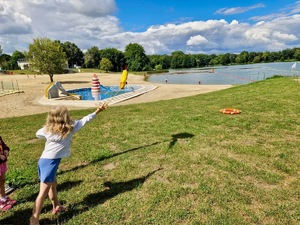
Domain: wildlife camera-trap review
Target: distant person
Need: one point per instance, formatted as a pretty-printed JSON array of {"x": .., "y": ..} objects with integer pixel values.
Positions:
[
  {"x": 58, "y": 132},
  {"x": 199, "y": 82},
  {"x": 166, "y": 80},
  {"x": 5, "y": 202}
]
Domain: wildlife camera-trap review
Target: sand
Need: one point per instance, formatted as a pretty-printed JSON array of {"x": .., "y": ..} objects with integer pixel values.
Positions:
[{"x": 32, "y": 89}]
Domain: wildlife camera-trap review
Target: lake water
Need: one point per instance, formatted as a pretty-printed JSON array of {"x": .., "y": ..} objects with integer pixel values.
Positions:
[{"x": 240, "y": 74}]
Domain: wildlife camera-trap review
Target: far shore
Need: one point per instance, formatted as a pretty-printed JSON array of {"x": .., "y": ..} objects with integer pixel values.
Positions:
[{"x": 32, "y": 89}]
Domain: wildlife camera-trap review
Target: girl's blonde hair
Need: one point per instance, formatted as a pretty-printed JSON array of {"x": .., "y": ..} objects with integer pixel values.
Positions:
[{"x": 59, "y": 121}]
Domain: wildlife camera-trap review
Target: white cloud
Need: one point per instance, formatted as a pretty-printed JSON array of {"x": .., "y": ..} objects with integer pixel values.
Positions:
[
  {"x": 284, "y": 37},
  {"x": 197, "y": 40},
  {"x": 238, "y": 10}
]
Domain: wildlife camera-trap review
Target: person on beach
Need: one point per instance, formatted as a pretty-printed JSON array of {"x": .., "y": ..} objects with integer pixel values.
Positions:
[
  {"x": 5, "y": 202},
  {"x": 58, "y": 132}
]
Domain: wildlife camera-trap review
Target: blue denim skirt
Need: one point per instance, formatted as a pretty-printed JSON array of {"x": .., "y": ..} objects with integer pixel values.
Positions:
[{"x": 47, "y": 169}]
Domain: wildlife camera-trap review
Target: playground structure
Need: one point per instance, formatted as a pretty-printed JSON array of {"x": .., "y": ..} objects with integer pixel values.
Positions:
[
  {"x": 7, "y": 88},
  {"x": 56, "y": 90}
]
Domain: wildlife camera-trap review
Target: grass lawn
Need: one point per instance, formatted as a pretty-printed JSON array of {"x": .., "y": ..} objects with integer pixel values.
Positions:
[{"x": 172, "y": 162}]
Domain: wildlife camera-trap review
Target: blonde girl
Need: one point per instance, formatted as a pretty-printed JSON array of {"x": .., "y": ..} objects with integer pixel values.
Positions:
[{"x": 58, "y": 133}]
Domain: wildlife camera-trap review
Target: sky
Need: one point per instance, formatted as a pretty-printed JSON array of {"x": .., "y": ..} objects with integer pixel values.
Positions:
[{"x": 160, "y": 26}]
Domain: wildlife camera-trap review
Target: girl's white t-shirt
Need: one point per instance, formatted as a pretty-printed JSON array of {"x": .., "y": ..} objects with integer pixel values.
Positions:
[{"x": 55, "y": 146}]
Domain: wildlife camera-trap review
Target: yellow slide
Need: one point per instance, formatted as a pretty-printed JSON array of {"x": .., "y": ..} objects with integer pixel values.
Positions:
[{"x": 123, "y": 78}]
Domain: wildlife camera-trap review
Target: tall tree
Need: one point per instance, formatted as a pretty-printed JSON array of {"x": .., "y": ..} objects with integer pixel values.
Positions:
[
  {"x": 115, "y": 56},
  {"x": 92, "y": 58},
  {"x": 154, "y": 60},
  {"x": 47, "y": 56},
  {"x": 297, "y": 54},
  {"x": 136, "y": 58},
  {"x": 4, "y": 61},
  {"x": 178, "y": 60},
  {"x": 73, "y": 53},
  {"x": 224, "y": 59},
  {"x": 165, "y": 61},
  {"x": 106, "y": 65},
  {"x": 13, "y": 62}
]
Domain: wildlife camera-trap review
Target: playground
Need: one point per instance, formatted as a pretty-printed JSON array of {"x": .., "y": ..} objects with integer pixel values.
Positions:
[{"x": 30, "y": 97}]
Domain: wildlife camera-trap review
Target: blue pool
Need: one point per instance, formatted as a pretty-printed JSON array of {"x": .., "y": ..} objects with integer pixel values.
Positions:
[{"x": 105, "y": 92}]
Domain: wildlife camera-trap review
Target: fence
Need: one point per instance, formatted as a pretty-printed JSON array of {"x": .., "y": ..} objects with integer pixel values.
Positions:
[{"x": 7, "y": 88}]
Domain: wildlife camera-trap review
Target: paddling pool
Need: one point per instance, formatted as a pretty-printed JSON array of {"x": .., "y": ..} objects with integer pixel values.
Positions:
[{"x": 105, "y": 92}]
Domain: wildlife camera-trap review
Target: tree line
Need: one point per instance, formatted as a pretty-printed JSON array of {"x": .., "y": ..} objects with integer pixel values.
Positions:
[{"x": 111, "y": 59}]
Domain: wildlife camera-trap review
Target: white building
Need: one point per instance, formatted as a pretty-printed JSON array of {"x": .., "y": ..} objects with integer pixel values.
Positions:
[{"x": 23, "y": 64}]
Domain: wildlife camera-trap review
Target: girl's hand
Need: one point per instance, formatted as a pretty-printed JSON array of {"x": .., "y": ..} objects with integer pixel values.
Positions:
[
  {"x": 2, "y": 157},
  {"x": 101, "y": 107},
  {"x": 6, "y": 153}
]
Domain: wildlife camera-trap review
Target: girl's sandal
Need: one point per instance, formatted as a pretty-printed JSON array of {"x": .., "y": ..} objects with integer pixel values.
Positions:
[
  {"x": 60, "y": 209},
  {"x": 4, "y": 206}
]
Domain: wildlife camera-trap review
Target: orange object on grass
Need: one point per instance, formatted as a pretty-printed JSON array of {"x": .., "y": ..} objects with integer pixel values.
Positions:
[{"x": 230, "y": 111}]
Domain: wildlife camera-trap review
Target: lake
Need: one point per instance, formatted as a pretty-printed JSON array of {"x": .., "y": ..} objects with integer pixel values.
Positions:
[{"x": 240, "y": 74}]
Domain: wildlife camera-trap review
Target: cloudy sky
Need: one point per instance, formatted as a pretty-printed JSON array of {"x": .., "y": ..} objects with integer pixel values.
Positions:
[{"x": 160, "y": 26}]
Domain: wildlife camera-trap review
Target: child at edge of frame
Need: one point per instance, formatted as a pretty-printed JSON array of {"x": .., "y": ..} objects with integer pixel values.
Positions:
[
  {"x": 5, "y": 202},
  {"x": 57, "y": 132}
]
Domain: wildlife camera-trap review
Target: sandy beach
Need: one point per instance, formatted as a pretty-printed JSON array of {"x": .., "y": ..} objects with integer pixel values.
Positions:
[{"x": 32, "y": 88}]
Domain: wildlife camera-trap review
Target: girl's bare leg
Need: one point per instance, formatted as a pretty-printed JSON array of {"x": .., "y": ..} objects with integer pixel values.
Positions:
[
  {"x": 38, "y": 204},
  {"x": 53, "y": 195}
]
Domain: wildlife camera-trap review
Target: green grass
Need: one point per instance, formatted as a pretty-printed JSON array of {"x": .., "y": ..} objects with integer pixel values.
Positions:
[{"x": 172, "y": 162}]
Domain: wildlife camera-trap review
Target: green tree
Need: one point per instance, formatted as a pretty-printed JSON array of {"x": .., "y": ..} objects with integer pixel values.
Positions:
[
  {"x": 158, "y": 67},
  {"x": 46, "y": 56},
  {"x": 244, "y": 56},
  {"x": 13, "y": 62},
  {"x": 136, "y": 58},
  {"x": 177, "y": 60},
  {"x": 105, "y": 64},
  {"x": 256, "y": 59},
  {"x": 224, "y": 59},
  {"x": 154, "y": 60},
  {"x": 116, "y": 57},
  {"x": 297, "y": 54},
  {"x": 73, "y": 53},
  {"x": 165, "y": 61},
  {"x": 92, "y": 58},
  {"x": 275, "y": 56},
  {"x": 202, "y": 60},
  {"x": 251, "y": 56},
  {"x": 4, "y": 61},
  {"x": 266, "y": 56}
]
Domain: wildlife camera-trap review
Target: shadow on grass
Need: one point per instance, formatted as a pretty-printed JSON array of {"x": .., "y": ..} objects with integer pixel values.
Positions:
[
  {"x": 90, "y": 201},
  {"x": 102, "y": 158},
  {"x": 172, "y": 141},
  {"x": 22, "y": 216},
  {"x": 175, "y": 138}
]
